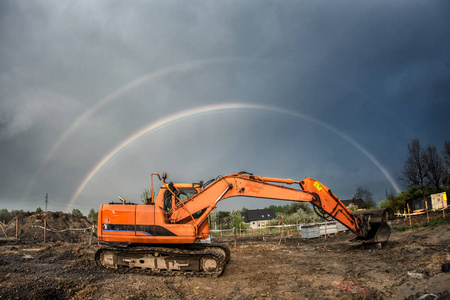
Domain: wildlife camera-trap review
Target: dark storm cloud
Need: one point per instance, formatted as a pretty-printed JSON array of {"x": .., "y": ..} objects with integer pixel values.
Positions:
[{"x": 377, "y": 72}]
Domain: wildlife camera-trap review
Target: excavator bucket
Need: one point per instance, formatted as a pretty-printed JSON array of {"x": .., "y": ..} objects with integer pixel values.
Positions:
[{"x": 375, "y": 224}]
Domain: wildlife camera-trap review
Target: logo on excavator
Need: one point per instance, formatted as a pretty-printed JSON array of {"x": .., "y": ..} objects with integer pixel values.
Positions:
[{"x": 317, "y": 186}]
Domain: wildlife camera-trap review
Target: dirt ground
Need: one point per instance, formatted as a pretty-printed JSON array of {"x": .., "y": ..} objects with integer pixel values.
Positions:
[{"x": 408, "y": 266}]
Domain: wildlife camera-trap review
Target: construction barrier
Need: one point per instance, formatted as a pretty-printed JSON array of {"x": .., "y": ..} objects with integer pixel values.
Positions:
[
  {"x": 405, "y": 214},
  {"x": 307, "y": 230},
  {"x": 91, "y": 229}
]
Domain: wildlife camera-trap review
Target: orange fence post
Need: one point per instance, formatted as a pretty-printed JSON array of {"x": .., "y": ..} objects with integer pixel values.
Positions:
[
  {"x": 409, "y": 214},
  {"x": 284, "y": 234},
  {"x": 235, "y": 238},
  {"x": 92, "y": 235},
  {"x": 3, "y": 230},
  {"x": 443, "y": 207},
  {"x": 45, "y": 230}
]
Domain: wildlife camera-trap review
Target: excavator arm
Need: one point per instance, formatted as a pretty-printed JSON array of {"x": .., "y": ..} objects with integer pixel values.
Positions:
[{"x": 365, "y": 226}]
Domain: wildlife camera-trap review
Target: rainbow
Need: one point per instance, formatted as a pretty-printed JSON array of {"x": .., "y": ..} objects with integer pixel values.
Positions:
[
  {"x": 182, "y": 67},
  {"x": 204, "y": 110}
]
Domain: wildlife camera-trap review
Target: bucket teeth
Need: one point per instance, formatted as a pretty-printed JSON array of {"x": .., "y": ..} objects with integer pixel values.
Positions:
[{"x": 374, "y": 225}]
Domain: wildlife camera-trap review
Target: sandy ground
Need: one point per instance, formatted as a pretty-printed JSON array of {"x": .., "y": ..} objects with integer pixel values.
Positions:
[{"x": 408, "y": 266}]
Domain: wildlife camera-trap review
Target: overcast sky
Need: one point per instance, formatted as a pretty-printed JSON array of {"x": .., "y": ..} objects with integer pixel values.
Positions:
[{"x": 96, "y": 95}]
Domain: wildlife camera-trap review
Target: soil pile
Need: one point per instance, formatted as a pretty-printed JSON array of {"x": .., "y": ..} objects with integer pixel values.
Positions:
[{"x": 60, "y": 227}]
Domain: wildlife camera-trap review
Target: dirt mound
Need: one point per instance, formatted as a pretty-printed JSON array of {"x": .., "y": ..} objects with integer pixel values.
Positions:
[
  {"x": 60, "y": 227},
  {"x": 408, "y": 266}
]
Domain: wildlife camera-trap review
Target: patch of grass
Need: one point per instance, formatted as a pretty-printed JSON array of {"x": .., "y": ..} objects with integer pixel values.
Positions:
[
  {"x": 404, "y": 228},
  {"x": 401, "y": 228},
  {"x": 436, "y": 221},
  {"x": 427, "y": 224}
]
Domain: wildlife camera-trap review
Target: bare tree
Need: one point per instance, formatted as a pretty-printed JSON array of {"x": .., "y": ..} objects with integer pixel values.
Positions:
[
  {"x": 435, "y": 167},
  {"x": 446, "y": 156},
  {"x": 415, "y": 169},
  {"x": 366, "y": 195}
]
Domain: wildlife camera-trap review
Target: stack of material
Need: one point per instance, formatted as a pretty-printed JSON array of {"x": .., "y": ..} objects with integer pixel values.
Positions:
[{"x": 310, "y": 231}]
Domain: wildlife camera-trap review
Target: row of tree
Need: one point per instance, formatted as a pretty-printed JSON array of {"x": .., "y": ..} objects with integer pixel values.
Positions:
[
  {"x": 92, "y": 215},
  {"x": 299, "y": 213},
  {"x": 294, "y": 213},
  {"x": 223, "y": 220},
  {"x": 426, "y": 171},
  {"x": 6, "y": 216}
]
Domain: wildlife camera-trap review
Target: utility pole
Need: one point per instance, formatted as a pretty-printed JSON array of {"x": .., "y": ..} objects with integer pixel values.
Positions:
[{"x": 46, "y": 201}]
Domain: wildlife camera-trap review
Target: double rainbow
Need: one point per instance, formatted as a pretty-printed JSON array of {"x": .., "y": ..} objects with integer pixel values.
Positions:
[{"x": 210, "y": 109}]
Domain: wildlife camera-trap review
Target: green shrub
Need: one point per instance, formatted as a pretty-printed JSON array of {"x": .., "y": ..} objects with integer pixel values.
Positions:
[
  {"x": 427, "y": 224},
  {"x": 437, "y": 221}
]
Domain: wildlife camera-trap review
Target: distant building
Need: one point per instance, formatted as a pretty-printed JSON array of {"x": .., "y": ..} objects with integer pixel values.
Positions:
[
  {"x": 439, "y": 200},
  {"x": 360, "y": 203},
  {"x": 418, "y": 203},
  {"x": 258, "y": 217},
  {"x": 434, "y": 201}
]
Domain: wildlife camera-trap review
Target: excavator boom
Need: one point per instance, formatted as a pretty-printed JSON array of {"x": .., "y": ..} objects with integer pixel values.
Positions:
[{"x": 310, "y": 190}]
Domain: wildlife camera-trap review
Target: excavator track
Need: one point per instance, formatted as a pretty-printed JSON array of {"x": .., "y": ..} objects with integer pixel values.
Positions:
[
  {"x": 198, "y": 260},
  {"x": 221, "y": 248}
]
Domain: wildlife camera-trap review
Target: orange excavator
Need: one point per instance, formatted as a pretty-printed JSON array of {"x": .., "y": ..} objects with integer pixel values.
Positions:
[{"x": 164, "y": 235}]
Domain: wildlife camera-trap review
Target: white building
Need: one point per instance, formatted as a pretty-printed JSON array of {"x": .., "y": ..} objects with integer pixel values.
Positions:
[{"x": 258, "y": 218}]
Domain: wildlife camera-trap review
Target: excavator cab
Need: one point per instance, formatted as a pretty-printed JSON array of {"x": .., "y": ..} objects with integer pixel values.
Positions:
[{"x": 168, "y": 201}]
